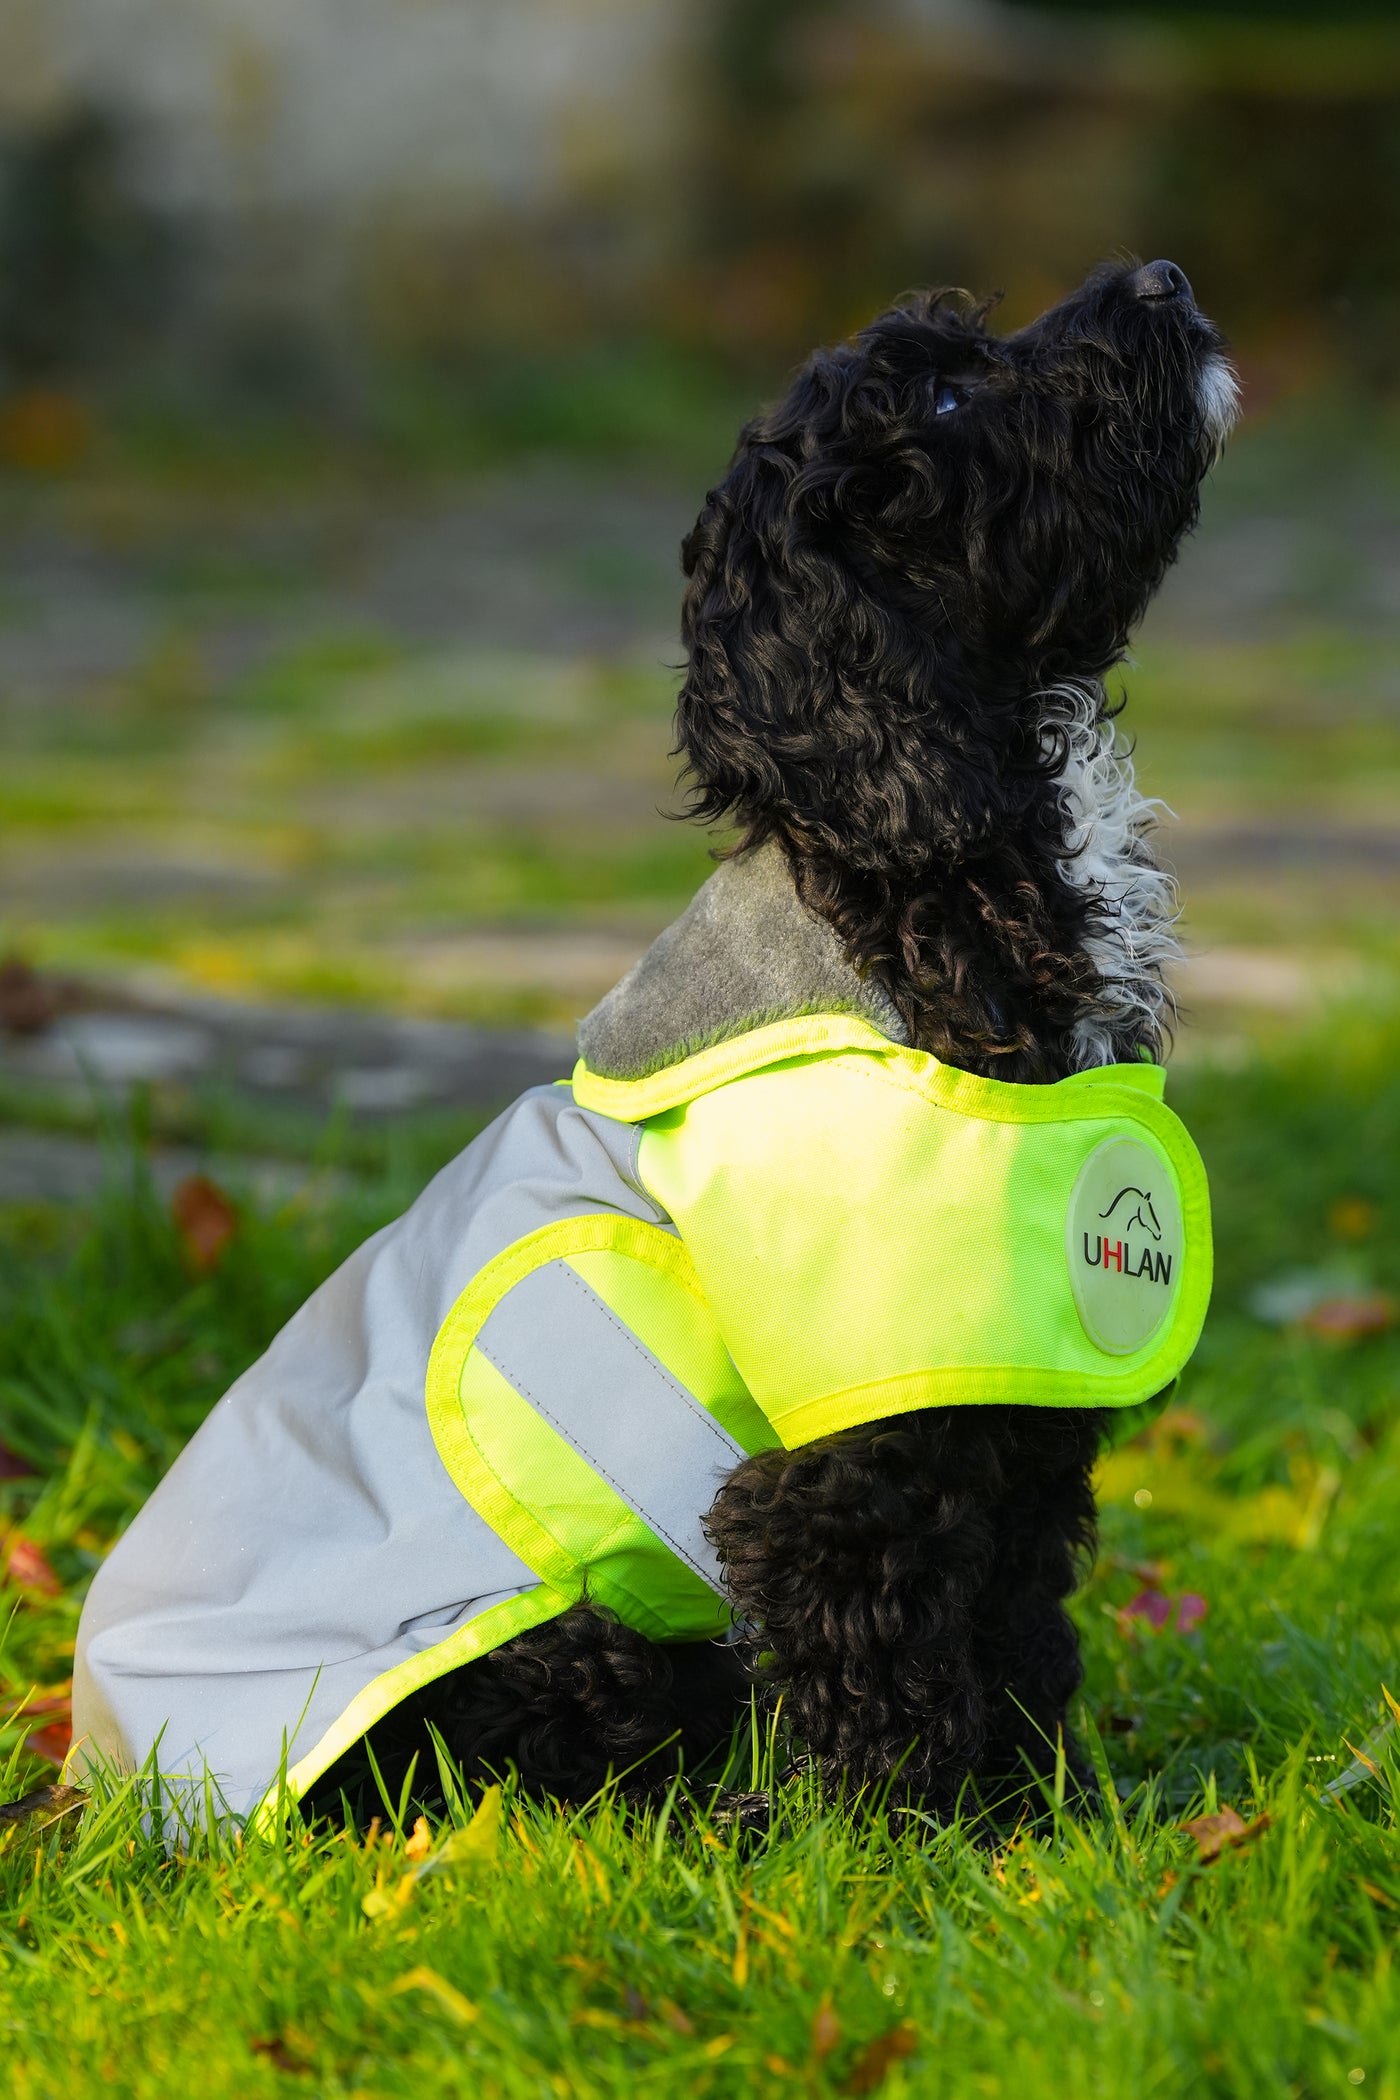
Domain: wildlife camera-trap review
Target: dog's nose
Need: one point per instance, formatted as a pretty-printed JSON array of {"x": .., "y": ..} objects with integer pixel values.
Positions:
[{"x": 1159, "y": 280}]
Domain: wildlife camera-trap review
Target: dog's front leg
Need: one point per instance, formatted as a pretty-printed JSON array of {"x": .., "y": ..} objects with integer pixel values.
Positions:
[
  {"x": 1027, "y": 1644},
  {"x": 859, "y": 1561}
]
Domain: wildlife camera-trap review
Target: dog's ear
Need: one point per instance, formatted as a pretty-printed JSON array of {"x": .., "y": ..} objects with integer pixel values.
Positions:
[{"x": 817, "y": 654}]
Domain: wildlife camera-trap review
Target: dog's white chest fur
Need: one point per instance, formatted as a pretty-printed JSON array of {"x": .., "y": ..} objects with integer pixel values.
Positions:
[{"x": 1133, "y": 935}]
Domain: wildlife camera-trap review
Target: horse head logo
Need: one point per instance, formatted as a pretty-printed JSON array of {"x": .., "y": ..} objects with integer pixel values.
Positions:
[{"x": 1142, "y": 1212}]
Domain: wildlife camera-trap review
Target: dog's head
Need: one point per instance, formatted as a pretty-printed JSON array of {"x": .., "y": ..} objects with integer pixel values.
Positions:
[
  {"x": 934, "y": 530},
  {"x": 936, "y": 518}
]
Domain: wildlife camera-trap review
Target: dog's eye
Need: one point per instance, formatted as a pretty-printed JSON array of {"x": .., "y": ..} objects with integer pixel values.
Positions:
[{"x": 946, "y": 400}]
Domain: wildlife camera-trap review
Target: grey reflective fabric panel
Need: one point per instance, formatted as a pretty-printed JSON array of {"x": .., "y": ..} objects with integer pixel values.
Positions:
[
  {"x": 566, "y": 1352},
  {"x": 224, "y": 1715},
  {"x": 309, "y": 1538}
]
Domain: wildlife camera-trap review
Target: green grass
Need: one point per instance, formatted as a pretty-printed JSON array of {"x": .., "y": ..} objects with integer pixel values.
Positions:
[
  {"x": 329, "y": 821},
  {"x": 1304, "y": 726},
  {"x": 580, "y": 1953}
]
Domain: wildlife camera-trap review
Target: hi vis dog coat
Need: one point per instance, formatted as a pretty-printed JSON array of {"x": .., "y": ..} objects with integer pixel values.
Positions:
[{"x": 530, "y": 1387}]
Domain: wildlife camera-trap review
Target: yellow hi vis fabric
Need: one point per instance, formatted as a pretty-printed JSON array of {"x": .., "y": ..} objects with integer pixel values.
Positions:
[
  {"x": 564, "y": 1508},
  {"x": 877, "y": 1232}
]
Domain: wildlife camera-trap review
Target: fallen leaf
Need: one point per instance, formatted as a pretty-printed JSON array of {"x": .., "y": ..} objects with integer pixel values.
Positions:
[
  {"x": 278, "y": 2050},
  {"x": 44, "y": 430},
  {"x": 205, "y": 1220},
  {"x": 877, "y": 2057},
  {"x": 387, "y": 1902},
  {"x": 26, "y": 1565},
  {"x": 1153, "y": 1605},
  {"x": 1162, "y": 1613},
  {"x": 1191, "y": 1608},
  {"x": 56, "y": 1702},
  {"x": 27, "y": 1005},
  {"x": 52, "y": 1744},
  {"x": 1213, "y": 1833},
  {"x": 826, "y": 2030},
  {"x": 1179, "y": 1426},
  {"x": 447, "y": 1995},
  {"x": 13, "y": 1467},
  {"x": 1223, "y": 1832},
  {"x": 478, "y": 1844},
  {"x": 1348, "y": 1319},
  {"x": 41, "y": 1806},
  {"x": 1352, "y": 1218}
]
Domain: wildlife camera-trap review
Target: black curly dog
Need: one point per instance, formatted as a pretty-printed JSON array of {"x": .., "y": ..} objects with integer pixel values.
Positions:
[{"x": 903, "y": 598}]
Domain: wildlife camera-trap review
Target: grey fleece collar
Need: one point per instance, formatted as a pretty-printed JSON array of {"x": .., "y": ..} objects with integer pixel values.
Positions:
[{"x": 746, "y": 951}]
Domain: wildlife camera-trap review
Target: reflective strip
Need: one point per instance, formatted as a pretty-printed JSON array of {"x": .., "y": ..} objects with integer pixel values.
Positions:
[{"x": 555, "y": 1341}]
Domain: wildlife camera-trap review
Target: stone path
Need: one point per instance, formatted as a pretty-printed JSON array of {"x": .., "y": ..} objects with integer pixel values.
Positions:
[
  {"x": 317, "y": 1060},
  {"x": 305, "y": 1057},
  {"x": 45, "y": 1166},
  {"x": 375, "y": 1066},
  {"x": 545, "y": 559}
]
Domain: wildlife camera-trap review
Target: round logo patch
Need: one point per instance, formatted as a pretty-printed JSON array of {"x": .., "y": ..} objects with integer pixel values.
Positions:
[{"x": 1123, "y": 1241}]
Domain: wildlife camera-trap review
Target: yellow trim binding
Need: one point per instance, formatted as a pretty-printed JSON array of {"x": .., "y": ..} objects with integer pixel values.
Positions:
[
  {"x": 480, "y": 1636},
  {"x": 809, "y": 1035},
  {"x": 634, "y": 1100}
]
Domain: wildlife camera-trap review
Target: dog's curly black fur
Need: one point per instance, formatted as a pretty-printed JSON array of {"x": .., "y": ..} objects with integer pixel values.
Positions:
[
  {"x": 933, "y": 537},
  {"x": 569, "y": 1705},
  {"x": 909, "y": 1580}
]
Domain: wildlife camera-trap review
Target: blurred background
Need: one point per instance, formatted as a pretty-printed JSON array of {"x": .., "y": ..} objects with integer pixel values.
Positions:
[{"x": 362, "y": 363}]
